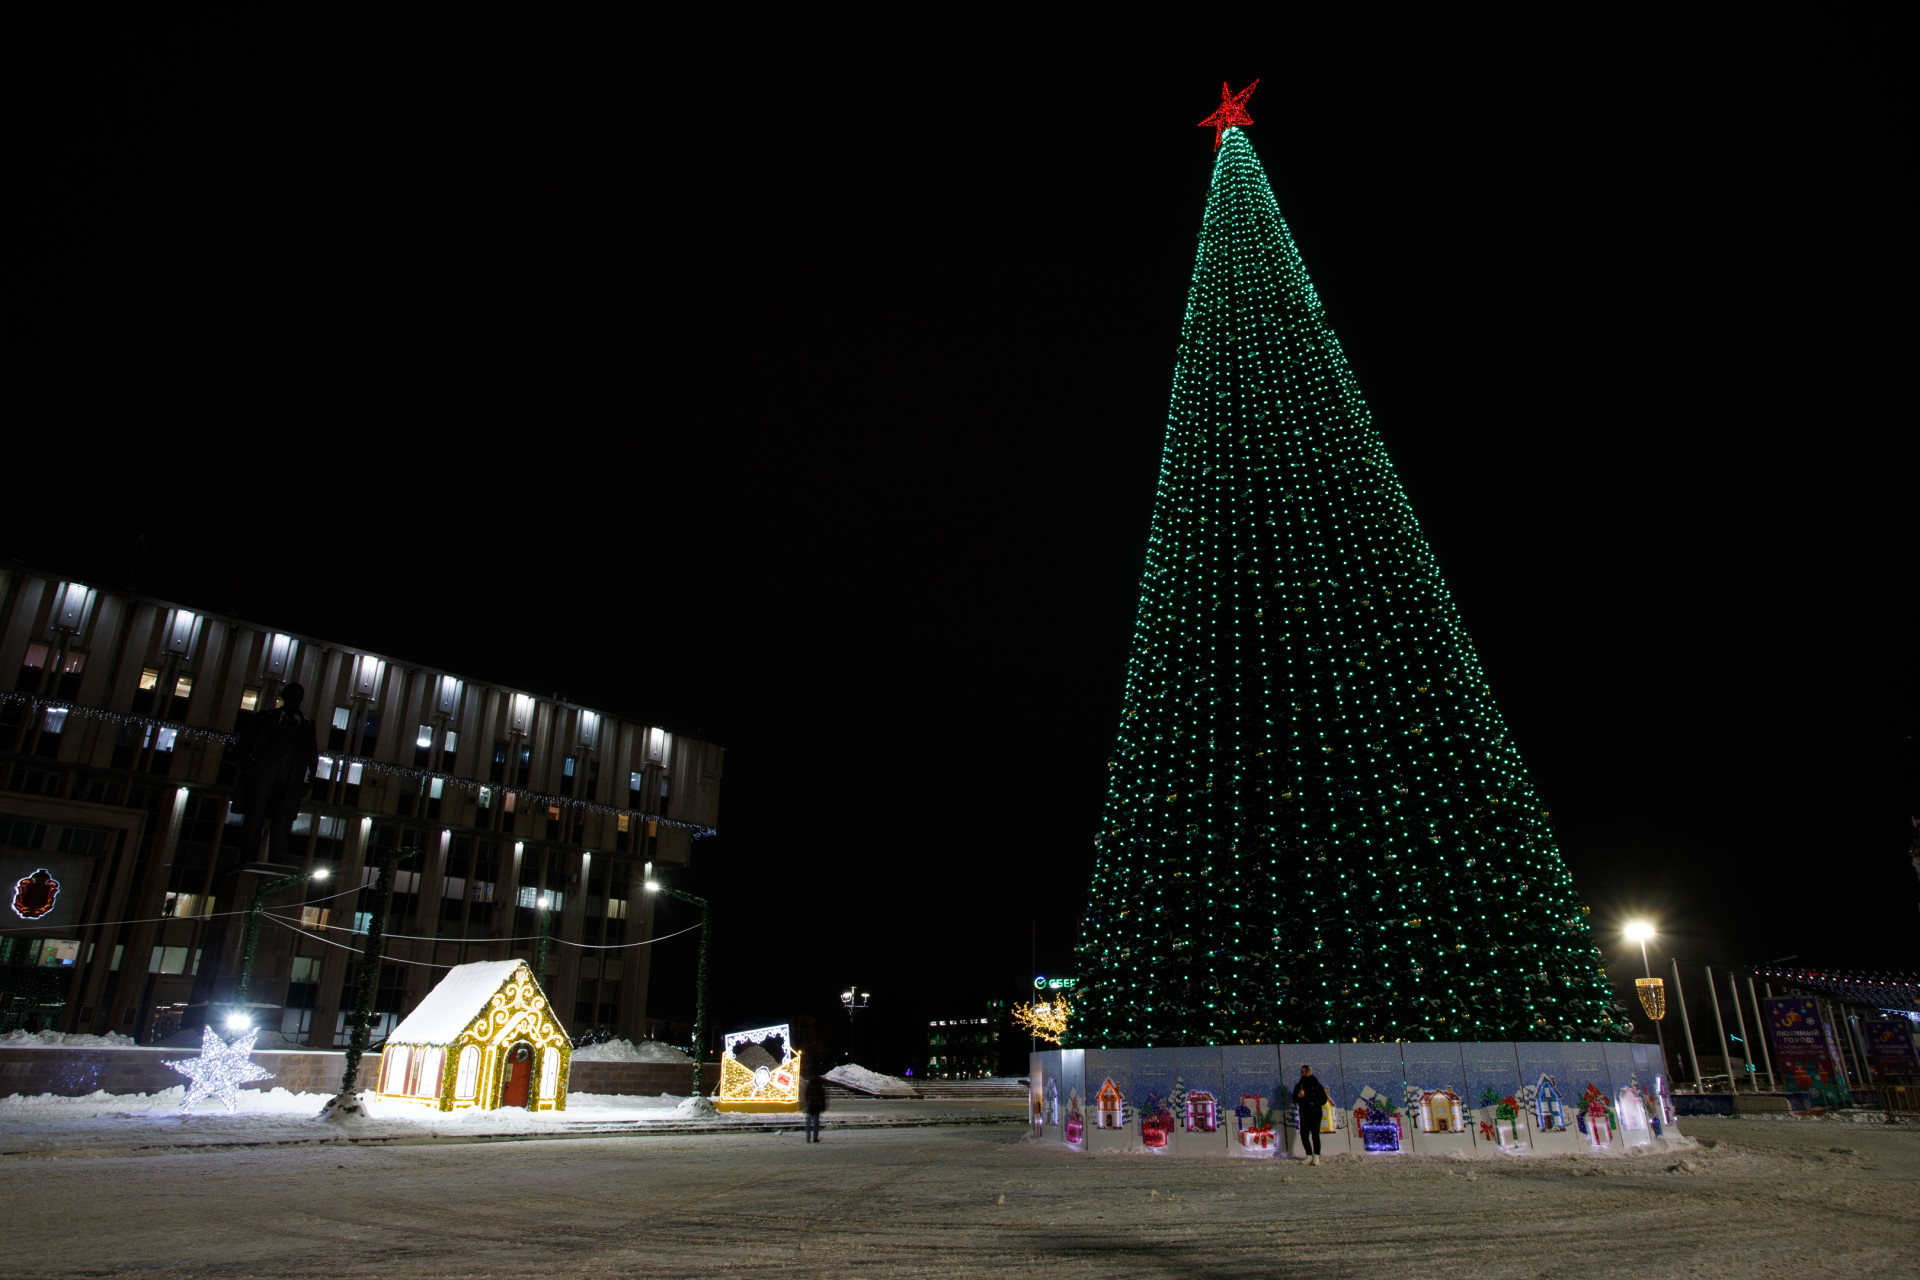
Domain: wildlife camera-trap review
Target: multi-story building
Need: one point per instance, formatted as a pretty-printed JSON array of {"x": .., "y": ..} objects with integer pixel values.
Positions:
[
  {"x": 120, "y": 721},
  {"x": 966, "y": 1048}
]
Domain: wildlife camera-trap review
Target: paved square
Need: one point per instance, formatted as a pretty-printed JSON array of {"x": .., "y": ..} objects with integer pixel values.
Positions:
[{"x": 1770, "y": 1198}]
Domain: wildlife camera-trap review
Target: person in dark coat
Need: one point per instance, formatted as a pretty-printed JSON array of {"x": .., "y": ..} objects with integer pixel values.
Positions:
[
  {"x": 1310, "y": 1096},
  {"x": 816, "y": 1102}
]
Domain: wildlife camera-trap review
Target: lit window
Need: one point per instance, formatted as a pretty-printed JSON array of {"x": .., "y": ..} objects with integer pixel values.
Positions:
[
  {"x": 509, "y": 804},
  {"x": 529, "y": 896},
  {"x": 467, "y": 1082},
  {"x": 433, "y": 792},
  {"x": 566, "y": 766},
  {"x": 624, "y": 823},
  {"x": 633, "y": 782},
  {"x": 453, "y": 742},
  {"x": 164, "y": 740},
  {"x": 149, "y": 678},
  {"x": 183, "y": 687},
  {"x": 56, "y": 719},
  {"x": 425, "y": 740},
  {"x": 74, "y": 665},
  {"x": 37, "y": 658},
  {"x": 342, "y": 718},
  {"x": 486, "y": 797},
  {"x": 553, "y": 813},
  {"x": 314, "y": 918},
  {"x": 617, "y": 909},
  {"x": 323, "y": 769},
  {"x": 333, "y": 828},
  {"x": 249, "y": 699},
  {"x": 353, "y": 774}
]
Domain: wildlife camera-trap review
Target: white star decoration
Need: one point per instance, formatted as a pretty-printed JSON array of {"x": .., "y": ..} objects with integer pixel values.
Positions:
[{"x": 221, "y": 1068}]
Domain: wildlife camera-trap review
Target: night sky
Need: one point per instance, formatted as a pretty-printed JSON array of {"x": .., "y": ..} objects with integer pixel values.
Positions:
[{"x": 803, "y": 388}]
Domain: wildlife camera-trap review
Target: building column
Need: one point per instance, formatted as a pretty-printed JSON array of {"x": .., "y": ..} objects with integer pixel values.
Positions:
[{"x": 129, "y": 1010}]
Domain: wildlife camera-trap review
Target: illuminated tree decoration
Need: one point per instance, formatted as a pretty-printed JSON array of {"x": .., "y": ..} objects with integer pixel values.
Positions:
[
  {"x": 1046, "y": 1020},
  {"x": 484, "y": 1038},
  {"x": 1653, "y": 996},
  {"x": 1317, "y": 826},
  {"x": 221, "y": 1068},
  {"x": 1231, "y": 112},
  {"x": 759, "y": 1086}
]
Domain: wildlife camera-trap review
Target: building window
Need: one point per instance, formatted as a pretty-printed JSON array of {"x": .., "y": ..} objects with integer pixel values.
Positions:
[
  {"x": 425, "y": 740},
  {"x": 183, "y": 687},
  {"x": 149, "y": 679},
  {"x": 249, "y": 699},
  {"x": 56, "y": 720}
]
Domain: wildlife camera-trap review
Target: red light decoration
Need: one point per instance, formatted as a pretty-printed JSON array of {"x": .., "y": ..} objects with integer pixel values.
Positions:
[
  {"x": 34, "y": 895},
  {"x": 1232, "y": 111}
]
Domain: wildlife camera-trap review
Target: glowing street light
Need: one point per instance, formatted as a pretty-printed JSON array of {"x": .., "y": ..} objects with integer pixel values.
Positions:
[
  {"x": 853, "y": 1000},
  {"x": 700, "y": 991},
  {"x": 1652, "y": 991}
]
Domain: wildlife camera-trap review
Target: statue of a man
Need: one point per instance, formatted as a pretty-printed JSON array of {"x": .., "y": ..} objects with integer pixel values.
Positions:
[{"x": 277, "y": 756}]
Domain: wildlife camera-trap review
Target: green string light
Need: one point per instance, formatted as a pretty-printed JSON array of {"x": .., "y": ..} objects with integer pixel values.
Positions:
[{"x": 1318, "y": 826}]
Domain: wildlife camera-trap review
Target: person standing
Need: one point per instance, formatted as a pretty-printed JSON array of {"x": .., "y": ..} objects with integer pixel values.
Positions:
[
  {"x": 816, "y": 1102},
  {"x": 1310, "y": 1096}
]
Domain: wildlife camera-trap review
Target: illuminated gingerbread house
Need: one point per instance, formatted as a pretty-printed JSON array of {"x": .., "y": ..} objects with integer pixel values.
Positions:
[
  {"x": 1109, "y": 1108},
  {"x": 484, "y": 1038}
]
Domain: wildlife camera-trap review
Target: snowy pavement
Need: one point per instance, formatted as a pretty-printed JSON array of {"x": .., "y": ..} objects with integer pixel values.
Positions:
[
  {"x": 1764, "y": 1200},
  {"x": 101, "y": 1122}
]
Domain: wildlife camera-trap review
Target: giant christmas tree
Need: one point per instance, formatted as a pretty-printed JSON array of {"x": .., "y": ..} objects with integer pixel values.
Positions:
[{"x": 1317, "y": 825}]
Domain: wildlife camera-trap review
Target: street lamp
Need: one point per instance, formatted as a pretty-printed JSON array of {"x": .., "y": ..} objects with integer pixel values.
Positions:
[
  {"x": 1653, "y": 996},
  {"x": 239, "y": 1019},
  {"x": 853, "y": 1000},
  {"x": 700, "y": 992}
]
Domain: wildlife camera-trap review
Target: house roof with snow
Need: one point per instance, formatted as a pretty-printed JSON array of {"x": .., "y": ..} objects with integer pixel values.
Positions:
[{"x": 455, "y": 1002}]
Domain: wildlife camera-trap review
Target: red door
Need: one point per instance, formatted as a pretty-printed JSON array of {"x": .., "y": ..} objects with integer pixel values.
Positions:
[{"x": 518, "y": 1085}]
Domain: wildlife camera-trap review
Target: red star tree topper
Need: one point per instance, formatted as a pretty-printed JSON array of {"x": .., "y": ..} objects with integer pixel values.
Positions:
[{"x": 1232, "y": 111}]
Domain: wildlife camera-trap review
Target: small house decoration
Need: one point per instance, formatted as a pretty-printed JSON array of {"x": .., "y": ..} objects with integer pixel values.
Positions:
[
  {"x": 1109, "y": 1109},
  {"x": 1203, "y": 1112},
  {"x": 484, "y": 1038},
  {"x": 1547, "y": 1114},
  {"x": 1442, "y": 1111},
  {"x": 1076, "y": 1127},
  {"x": 750, "y": 1077}
]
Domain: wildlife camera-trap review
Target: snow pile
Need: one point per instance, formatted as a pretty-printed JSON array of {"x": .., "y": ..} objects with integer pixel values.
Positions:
[
  {"x": 861, "y": 1080},
  {"x": 695, "y": 1109},
  {"x": 628, "y": 1051},
  {"x": 63, "y": 1040}
]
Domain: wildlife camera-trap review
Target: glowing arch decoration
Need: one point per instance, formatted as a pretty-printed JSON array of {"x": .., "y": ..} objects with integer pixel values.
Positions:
[
  {"x": 484, "y": 1038},
  {"x": 759, "y": 1086}
]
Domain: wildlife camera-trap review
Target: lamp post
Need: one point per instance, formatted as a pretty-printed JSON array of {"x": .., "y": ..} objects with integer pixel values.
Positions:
[
  {"x": 1639, "y": 931},
  {"x": 853, "y": 1000},
  {"x": 369, "y": 977},
  {"x": 545, "y": 943},
  {"x": 700, "y": 991},
  {"x": 239, "y": 1019}
]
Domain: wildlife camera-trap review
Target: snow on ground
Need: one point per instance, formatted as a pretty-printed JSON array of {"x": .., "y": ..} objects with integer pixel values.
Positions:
[
  {"x": 854, "y": 1076},
  {"x": 63, "y": 1040},
  {"x": 1763, "y": 1199},
  {"x": 628, "y": 1051},
  {"x": 49, "y": 1122}
]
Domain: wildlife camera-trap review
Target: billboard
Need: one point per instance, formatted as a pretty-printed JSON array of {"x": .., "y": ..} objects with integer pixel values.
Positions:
[{"x": 1805, "y": 1050}]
